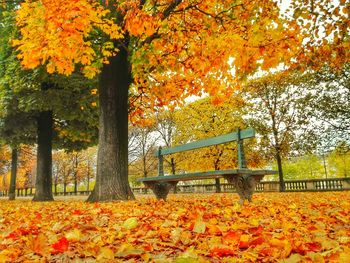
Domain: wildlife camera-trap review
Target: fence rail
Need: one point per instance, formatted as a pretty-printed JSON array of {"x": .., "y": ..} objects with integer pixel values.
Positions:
[{"x": 331, "y": 184}]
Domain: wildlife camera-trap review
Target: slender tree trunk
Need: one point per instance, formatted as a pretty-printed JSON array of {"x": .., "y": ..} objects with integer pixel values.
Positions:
[
  {"x": 88, "y": 176},
  {"x": 43, "y": 184},
  {"x": 75, "y": 186},
  {"x": 324, "y": 165},
  {"x": 75, "y": 173},
  {"x": 55, "y": 188},
  {"x": 112, "y": 158},
  {"x": 173, "y": 166},
  {"x": 14, "y": 159},
  {"x": 173, "y": 171},
  {"x": 280, "y": 172},
  {"x": 144, "y": 166},
  {"x": 64, "y": 188},
  {"x": 217, "y": 180},
  {"x": 217, "y": 185}
]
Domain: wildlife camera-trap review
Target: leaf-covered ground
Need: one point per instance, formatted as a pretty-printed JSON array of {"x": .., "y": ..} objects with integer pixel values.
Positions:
[{"x": 291, "y": 227}]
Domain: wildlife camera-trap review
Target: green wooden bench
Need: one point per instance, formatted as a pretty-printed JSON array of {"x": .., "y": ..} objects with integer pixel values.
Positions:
[{"x": 244, "y": 179}]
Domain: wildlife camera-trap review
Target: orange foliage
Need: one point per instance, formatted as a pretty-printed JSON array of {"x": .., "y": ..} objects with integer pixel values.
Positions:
[
  {"x": 193, "y": 48},
  {"x": 325, "y": 31},
  {"x": 179, "y": 50},
  {"x": 55, "y": 33},
  {"x": 305, "y": 227}
]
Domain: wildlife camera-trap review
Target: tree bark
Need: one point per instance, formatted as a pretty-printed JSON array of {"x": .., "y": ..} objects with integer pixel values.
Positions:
[
  {"x": 88, "y": 176},
  {"x": 280, "y": 172},
  {"x": 217, "y": 185},
  {"x": 112, "y": 158},
  {"x": 173, "y": 171},
  {"x": 75, "y": 173},
  {"x": 14, "y": 160},
  {"x": 43, "y": 183}
]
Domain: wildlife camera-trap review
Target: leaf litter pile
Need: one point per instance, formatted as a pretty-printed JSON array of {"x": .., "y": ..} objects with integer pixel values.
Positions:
[{"x": 290, "y": 227}]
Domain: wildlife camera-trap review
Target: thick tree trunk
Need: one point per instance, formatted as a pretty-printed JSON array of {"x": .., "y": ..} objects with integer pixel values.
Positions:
[
  {"x": 14, "y": 159},
  {"x": 112, "y": 159},
  {"x": 280, "y": 172},
  {"x": 43, "y": 184}
]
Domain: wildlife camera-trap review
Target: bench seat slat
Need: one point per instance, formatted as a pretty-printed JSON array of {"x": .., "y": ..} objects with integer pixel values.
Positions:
[{"x": 205, "y": 175}]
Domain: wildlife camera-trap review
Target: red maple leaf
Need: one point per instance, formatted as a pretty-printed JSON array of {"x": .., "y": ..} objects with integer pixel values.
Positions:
[{"x": 61, "y": 246}]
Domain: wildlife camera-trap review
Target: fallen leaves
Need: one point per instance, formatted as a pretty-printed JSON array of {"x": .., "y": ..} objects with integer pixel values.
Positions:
[
  {"x": 61, "y": 245},
  {"x": 289, "y": 227}
]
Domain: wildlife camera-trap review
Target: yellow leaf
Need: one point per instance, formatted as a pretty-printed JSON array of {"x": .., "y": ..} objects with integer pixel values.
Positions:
[
  {"x": 73, "y": 235},
  {"x": 199, "y": 226},
  {"x": 130, "y": 223},
  {"x": 294, "y": 258},
  {"x": 105, "y": 253},
  {"x": 39, "y": 244}
]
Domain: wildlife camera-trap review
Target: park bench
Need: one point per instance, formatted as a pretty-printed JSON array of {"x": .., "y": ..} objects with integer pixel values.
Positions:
[{"x": 244, "y": 179}]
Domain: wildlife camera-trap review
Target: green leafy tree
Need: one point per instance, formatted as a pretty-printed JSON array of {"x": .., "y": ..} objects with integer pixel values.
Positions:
[
  {"x": 53, "y": 111},
  {"x": 280, "y": 109},
  {"x": 339, "y": 160},
  {"x": 145, "y": 162},
  {"x": 332, "y": 106}
]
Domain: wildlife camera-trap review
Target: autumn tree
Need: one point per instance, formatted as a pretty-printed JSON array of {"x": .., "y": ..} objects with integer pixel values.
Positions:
[
  {"x": 144, "y": 163},
  {"x": 339, "y": 160},
  {"x": 26, "y": 166},
  {"x": 280, "y": 106},
  {"x": 331, "y": 105},
  {"x": 16, "y": 126},
  {"x": 88, "y": 166},
  {"x": 156, "y": 51},
  {"x": 166, "y": 127},
  {"x": 325, "y": 32},
  {"x": 61, "y": 170},
  {"x": 5, "y": 165},
  {"x": 203, "y": 119},
  {"x": 67, "y": 120}
]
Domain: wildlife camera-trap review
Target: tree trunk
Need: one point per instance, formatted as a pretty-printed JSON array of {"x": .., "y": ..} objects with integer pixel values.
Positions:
[
  {"x": 217, "y": 180},
  {"x": 75, "y": 186},
  {"x": 217, "y": 185},
  {"x": 173, "y": 166},
  {"x": 75, "y": 173},
  {"x": 14, "y": 159},
  {"x": 88, "y": 176},
  {"x": 280, "y": 172},
  {"x": 43, "y": 183},
  {"x": 112, "y": 158},
  {"x": 173, "y": 171},
  {"x": 64, "y": 188}
]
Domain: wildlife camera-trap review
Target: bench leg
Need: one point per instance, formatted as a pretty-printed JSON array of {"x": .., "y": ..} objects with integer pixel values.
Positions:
[
  {"x": 245, "y": 185},
  {"x": 162, "y": 189}
]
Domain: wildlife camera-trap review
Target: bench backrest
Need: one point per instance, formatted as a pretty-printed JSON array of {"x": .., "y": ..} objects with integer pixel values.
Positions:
[{"x": 238, "y": 136}]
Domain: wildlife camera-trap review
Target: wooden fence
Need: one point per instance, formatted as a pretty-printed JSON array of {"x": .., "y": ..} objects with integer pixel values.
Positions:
[{"x": 331, "y": 184}]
